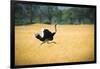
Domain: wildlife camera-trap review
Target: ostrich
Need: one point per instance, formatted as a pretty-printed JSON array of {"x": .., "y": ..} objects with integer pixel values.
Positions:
[{"x": 45, "y": 35}]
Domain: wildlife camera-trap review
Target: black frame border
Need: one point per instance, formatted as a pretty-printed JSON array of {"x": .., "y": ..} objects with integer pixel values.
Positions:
[{"x": 12, "y": 34}]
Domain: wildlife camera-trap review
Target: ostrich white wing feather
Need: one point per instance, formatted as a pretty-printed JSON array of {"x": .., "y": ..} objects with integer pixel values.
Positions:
[{"x": 41, "y": 32}]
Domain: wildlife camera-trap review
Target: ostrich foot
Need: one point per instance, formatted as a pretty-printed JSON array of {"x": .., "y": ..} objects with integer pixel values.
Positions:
[{"x": 51, "y": 42}]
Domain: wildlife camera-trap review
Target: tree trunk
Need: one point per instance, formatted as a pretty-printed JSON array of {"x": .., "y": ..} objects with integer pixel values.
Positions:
[
  {"x": 30, "y": 13},
  {"x": 50, "y": 20}
]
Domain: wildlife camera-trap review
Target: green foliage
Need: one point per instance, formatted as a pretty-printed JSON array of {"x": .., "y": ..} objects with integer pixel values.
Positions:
[{"x": 32, "y": 13}]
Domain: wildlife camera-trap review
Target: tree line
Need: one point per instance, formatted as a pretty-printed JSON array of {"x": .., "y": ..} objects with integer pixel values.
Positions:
[{"x": 48, "y": 14}]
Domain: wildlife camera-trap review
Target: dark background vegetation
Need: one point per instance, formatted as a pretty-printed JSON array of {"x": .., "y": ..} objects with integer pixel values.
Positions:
[{"x": 48, "y": 14}]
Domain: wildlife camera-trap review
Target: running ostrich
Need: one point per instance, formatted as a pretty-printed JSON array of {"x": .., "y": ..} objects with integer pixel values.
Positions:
[{"x": 45, "y": 35}]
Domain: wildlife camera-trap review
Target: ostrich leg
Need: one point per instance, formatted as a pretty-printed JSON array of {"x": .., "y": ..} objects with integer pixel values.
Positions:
[{"x": 42, "y": 43}]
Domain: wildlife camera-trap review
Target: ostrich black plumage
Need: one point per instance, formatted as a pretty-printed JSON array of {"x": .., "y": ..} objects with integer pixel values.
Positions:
[{"x": 46, "y": 35}]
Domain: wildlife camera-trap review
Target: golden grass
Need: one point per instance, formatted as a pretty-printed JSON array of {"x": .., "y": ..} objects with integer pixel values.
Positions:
[{"x": 74, "y": 43}]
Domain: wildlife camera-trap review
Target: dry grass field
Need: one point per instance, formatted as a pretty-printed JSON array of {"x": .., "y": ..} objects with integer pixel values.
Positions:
[{"x": 74, "y": 43}]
